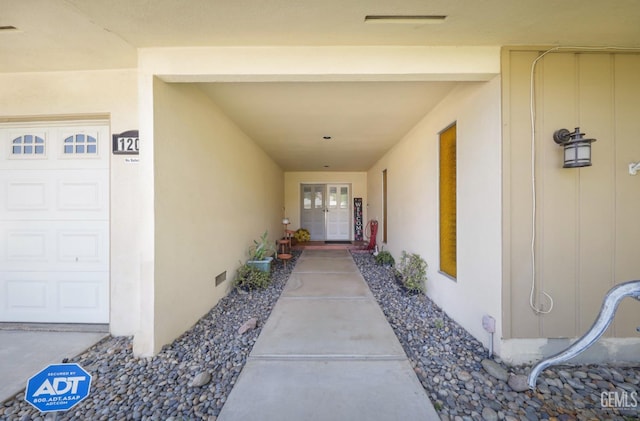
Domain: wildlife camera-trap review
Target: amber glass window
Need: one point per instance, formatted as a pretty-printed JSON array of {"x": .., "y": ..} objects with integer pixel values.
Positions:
[
  {"x": 384, "y": 206},
  {"x": 448, "y": 242}
]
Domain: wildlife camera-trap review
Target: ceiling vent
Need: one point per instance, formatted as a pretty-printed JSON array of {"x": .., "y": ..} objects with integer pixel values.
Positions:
[{"x": 405, "y": 19}]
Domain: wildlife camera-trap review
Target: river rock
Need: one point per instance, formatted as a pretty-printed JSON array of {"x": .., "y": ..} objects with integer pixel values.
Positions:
[
  {"x": 200, "y": 379},
  {"x": 518, "y": 382},
  {"x": 494, "y": 369},
  {"x": 248, "y": 325}
]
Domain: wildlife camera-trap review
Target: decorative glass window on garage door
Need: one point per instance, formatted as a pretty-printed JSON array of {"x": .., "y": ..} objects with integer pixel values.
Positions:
[
  {"x": 28, "y": 144},
  {"x": 80, "y": 144}
]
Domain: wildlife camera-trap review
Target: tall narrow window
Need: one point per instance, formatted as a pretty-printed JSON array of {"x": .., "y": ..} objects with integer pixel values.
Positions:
[
  {"x": 448, "y": 237},
  {"x": 384, "y": 206}
]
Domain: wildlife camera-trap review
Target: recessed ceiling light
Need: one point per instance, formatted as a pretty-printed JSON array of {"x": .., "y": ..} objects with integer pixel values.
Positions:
[{"x": 405, "y": 19}]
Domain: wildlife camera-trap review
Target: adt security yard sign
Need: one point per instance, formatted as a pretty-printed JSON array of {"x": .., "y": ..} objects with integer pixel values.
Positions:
[{"x": 58, "y": 387}]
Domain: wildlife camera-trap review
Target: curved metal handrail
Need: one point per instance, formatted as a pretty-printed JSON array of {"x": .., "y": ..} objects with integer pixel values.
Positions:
[{"x": 604, "y": 319}]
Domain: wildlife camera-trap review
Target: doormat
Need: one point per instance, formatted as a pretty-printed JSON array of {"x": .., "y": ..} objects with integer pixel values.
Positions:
[{"x": 337, "y": 242}]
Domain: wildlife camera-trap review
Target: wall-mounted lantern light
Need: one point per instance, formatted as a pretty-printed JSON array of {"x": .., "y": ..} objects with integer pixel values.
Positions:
[{"x": 577, "y": 149}]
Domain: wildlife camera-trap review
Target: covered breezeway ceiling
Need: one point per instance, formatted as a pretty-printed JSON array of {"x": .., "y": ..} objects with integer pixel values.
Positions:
[
  {"x": 362, "y": 119},
  {"x": 289, "y": 120}
]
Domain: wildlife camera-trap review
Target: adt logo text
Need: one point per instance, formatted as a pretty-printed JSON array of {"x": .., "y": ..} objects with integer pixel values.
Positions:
[{"x": 58, "y": 387}]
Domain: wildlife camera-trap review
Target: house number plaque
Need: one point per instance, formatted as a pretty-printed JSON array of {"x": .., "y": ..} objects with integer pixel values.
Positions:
[{"x": 126, "y": 143}]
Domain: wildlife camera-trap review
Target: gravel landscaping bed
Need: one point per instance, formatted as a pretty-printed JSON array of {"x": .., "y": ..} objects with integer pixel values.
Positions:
[
  {"x": 189, "y": 379},
  {"x": 451, "y": 363}
]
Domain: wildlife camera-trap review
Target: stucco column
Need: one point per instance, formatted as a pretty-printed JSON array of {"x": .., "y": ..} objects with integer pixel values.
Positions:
[{"x": 144, "y": 339}]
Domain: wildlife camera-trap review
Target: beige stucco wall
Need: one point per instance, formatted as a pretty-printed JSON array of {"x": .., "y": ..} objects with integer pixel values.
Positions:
[
  {"x": 412, "y": 175},
  {"x": 109, "y": 95},
  {"x": 587, "y": 226},
  {"x": 293, "y": 181},
  {"x": 215, "y": 191}
]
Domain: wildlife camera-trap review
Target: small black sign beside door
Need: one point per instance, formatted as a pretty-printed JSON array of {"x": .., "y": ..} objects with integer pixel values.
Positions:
[{"x": 126, "y": 143}]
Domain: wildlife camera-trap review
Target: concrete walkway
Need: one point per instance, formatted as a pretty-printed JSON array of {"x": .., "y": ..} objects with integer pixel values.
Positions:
[{"x": 327, "y": 352}]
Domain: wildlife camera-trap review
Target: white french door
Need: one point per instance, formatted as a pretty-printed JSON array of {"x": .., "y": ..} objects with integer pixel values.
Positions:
[
  {"x": 338, "y": 212},
  {"x": 326, "y": 212},
  {"x": 313, "y": 210}
]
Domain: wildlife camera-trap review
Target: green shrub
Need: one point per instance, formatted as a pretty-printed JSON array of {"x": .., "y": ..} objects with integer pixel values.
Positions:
[
  {"x": 412, "y": 272},
  {"x": 249, "y": 277},
  {"x": 384, "y": 258},
  {"x": 439, "y": 323}
]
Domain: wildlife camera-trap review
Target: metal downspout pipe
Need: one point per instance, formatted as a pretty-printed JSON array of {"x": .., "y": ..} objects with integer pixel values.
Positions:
[{"x": 604, "y": 319}]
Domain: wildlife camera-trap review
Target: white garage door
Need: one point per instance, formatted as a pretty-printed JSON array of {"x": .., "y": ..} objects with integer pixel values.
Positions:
[{"x": 54, "y": 223}]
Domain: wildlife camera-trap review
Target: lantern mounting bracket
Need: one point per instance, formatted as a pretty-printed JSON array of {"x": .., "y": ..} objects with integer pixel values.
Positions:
[{"x": 562, "y": 136}]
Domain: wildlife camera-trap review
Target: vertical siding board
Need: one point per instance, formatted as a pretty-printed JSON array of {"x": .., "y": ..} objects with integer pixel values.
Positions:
[
  {"x": 596, "y": 195},
  {"x": 627, "y": 138},
  {"x": 525, "y": 324},
  {"x": 558, "y": 210}
]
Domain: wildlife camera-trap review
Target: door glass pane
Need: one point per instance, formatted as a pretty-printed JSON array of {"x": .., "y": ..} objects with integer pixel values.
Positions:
[
  {"x": 333, "y": 197},
  {"x": 318, "y": 203},
  {"x": 344, "y": 197},
  {"x": 306, "y": 200}
]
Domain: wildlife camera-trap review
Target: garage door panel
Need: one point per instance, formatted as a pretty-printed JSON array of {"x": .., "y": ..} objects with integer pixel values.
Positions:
[
  {"x": 25, "y": 294},
  {"x": 26, "y": 246},
  {"x": 61, "y": 148},
  {"x": 54, "y": 246},
  {"x": 83, "y": 247},
  {"x": 82, "y": 195},
  {"x": 79, "y": 295},
  {"x": 79, "y": 195},
  {"x": 26, "y": 196},
  {"x": 55, "y": 195},
  {"x": 39, "y": 297}
]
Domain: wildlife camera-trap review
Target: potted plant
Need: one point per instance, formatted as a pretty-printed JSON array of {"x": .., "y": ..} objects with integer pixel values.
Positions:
[
  {"x": 302, "y": 235},
  {"x": 260, "y": 253}
]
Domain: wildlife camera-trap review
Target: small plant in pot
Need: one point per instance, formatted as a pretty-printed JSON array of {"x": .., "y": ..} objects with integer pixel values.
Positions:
[
  {"x": 260, "y": 253},
  {"x": 250, "y": 277},
  {"x": 384, "y": 258},
  {"x": 302, "y": 235},
  {"x": 411, "y": 272}
]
